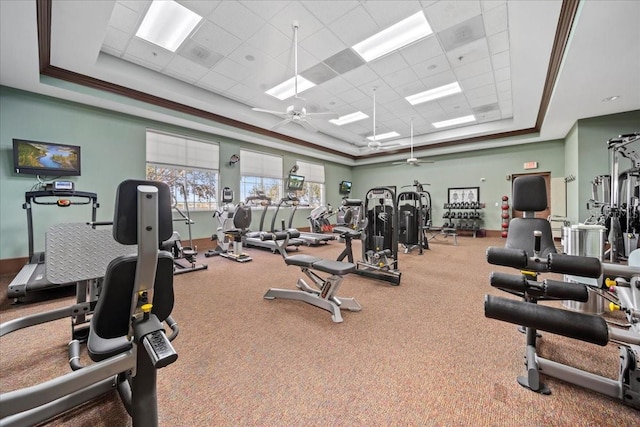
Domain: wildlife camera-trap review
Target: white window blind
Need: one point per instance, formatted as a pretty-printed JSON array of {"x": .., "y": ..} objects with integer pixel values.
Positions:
[
  {"x": 181, "y": 151},
  {"x": 312, "y": 172},
  {"x": 260, "y": 164}
]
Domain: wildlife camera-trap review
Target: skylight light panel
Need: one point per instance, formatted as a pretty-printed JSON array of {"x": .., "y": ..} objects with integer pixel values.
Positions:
[
  {"x": 394, "y": 37},
  {"x": 349, "y": 118},
  {"x": 383, "y": 136},
  {"x": 453, "y": 122},
  {"x": 431, "y": 94},
  {"x": 287, "y": 89},
  {"x": 167, "y": 24}
]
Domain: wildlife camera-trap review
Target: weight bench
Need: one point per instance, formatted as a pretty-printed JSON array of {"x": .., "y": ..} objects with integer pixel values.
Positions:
[
  {"x": 324, "y": 296},
  {"x": 435, "y": 232}
]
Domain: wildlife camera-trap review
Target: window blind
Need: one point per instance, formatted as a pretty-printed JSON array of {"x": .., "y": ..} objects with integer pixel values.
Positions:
[
  {"x": 175, "y": 150},
  {"x": 253, "y": 163},
  {"x": 312, "y": 172}
]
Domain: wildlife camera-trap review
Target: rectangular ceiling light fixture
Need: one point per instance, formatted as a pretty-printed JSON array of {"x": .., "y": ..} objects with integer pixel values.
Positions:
[
  {"x": 287, "y": 89},
  {"x": 396, "y": 36},
  {"x": 431, "y": 94},
  {"x": 384, "y": 136},
  {"x": 453, "y": 122},
  {"x": 349, "y": 118},
  {"x": 167, "y": 24}
]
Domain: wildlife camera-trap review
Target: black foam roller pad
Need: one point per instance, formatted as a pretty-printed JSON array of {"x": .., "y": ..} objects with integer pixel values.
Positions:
[
  {"x": 508, "y": 282},
  {"x": 516, "y": 258},
  {"x": 583, "y": 327},
  {"x": 576, "y": 265},
  {"x": 351, "y": 202},
  {"x": 566, "y": 290}
]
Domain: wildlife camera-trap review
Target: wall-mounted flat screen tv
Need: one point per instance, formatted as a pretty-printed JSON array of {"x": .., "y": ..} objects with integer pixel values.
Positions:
[
  {"x": 45, "y": 158},
  {"x": 345, "y": 188},
  {"x": 295, "y": 182}
]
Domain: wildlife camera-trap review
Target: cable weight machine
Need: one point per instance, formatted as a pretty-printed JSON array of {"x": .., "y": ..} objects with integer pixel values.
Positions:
[{"x": 414, "y": 213}]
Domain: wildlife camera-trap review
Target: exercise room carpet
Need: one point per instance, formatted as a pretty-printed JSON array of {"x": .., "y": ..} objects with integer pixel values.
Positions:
[{"x": 420, "y": 354}]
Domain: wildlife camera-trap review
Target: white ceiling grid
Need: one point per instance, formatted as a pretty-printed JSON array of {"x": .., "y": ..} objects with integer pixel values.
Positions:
[{"x": 243, "y": 48}]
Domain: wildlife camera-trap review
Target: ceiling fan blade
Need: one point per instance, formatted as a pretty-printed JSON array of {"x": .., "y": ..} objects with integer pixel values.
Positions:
[
  {"x": 308, "y": 126},
  {"x": 262, "y": 110},
  {"x": 327, "y": 114},
  {"x": 279, "y": 124}
]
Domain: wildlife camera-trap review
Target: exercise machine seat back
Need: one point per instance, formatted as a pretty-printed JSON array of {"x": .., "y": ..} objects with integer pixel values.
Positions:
[
  {"x": 530, "y": 196},
  {"x": 242, "y": 218},
  {"x": 110, "y": 321}
]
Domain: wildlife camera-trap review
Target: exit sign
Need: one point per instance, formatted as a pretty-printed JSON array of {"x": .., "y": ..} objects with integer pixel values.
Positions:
[{"x": 531, "y": 165}]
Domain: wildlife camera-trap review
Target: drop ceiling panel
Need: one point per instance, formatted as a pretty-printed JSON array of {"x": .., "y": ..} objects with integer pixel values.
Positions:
[
  {"x": 218, "y": 39},
  {"x": 445, "y": 14},
  {"x": 226, "y": 16},
  {"x": 354, "y": 26},
  {"x": 422, "y": 50},
  {"x": 329, "y": 11},
  {"x": 388, "y": 12}
]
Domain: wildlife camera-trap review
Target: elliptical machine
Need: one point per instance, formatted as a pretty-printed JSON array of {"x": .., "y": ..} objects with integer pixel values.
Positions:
[
  {"x": 414, "y": 209},
  {"x": 233, "y": 224}
]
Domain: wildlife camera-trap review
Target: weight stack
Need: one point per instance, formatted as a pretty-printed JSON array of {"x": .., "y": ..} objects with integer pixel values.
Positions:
[{"x": 505, "y": 216}]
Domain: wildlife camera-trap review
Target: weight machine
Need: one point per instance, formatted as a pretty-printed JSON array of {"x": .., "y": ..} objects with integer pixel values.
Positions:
[
  {"x": 615, "y": 201},
  {"x": 414, "y": 209},
  {"x": 619, "y": 283},
  {"x": 380, "y": 237},
  {"x": 233, "y": 224}
]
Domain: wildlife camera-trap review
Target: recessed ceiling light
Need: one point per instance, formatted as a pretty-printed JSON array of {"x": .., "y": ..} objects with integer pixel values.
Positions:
[
  {"x": 431, "y": 94},
  {"x": 611, "y": 98},
  {"x": 287, "y": 89},
  {"x": 384, "y": 136},
  {"x": 452, "y": 122},
  {"x": 167, "y": 24},
  {"x": 396, "y": 36},
  {"x": 349, "y": 118}
]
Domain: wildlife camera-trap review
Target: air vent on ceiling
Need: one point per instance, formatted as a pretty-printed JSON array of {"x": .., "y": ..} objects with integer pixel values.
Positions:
[
  {"x": 199, "y": 54},
  {"x": 462, "y": 33}
]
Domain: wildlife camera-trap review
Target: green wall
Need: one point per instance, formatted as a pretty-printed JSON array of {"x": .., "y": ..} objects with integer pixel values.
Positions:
[
  {"x": 113, "y": 149},
  {"x": 487, "y": 169}
]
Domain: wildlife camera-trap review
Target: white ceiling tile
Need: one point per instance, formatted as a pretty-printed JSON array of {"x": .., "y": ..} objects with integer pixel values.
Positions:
[
  {"x": 271, "y": 42},
  {"x": 354, "y": 26},
  {"x": 142, "y": 62},
  {"x": 504, "y": 95},
  {"x": 305, "y": 59},
  {"x": 352, "y": 94},
  {"x": 229, "y": 68},
  {"x": 138, "y": 6},
  {"x": 329, "y": 11},
  {"x": 469, "y": 53},
  {"x": 502, "y": 74},
  {"x": 124, "y": 19},
  {"x": 249, "y": 56},
  {"x": 432, "y": 66},
  {"x": 361, "y": 76},
  {"x": 401, "y": 78},
  {"x": 498, "y": 42},
  {"x": 202, "y": 8},
  {"x": 389, "y": 12},
  {"x": 489, "y": 99},
  {"x": 501, "y": 60},
  {"x": 504, "y": 86},
  {"x": 422, "y": 50},
  {"x": 474, "y": 69},
  {"x": 185, "y": 69},
  {"x": 265, "y": 8},
  {"x": 440, "y": 79},
  {"x": 488, "y": 116},
  {"x": 323, "y": 44},
  {"x": 217, "y": 39},
  {"x": 445, "y": 14},
  {"x": 481, "y": 92},
  {"x": 335, "y": 86},
  {"x": 149, "y": 53},
  {"x": 458, "y": 99},
  {"x": 294, "y": 12},
  {"x": 388, "y": 64},
  {"x": 491, "y": 4},
  {"x": 410, "y": 88},
  {"x": 216, "y": 82},
  {"x": 236, "y": 19},
  {"x": 116, "y": 39},
  {"x": 111, "y": 51},
  {"x": 477, "y": 81},
  {"x": 241, "y": 93},
  {"x": 496, "y": 20}
]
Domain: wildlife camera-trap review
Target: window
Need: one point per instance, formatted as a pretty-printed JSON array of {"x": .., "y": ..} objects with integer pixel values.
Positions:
[
  {"x": 188, "y": 166},
  {"x": 313, "y": 192},
  {"x": 260, "y": 172}
]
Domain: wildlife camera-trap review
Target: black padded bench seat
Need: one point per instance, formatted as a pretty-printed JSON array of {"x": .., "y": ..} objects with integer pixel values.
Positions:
[{"x": 326, "y": 266}]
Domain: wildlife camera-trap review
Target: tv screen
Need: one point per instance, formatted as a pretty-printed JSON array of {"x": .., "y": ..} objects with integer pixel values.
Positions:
[
  {"x": 345, "y": 187},
  {"x": 45, "y": 158},
  {"x": 295, "y": 182}
]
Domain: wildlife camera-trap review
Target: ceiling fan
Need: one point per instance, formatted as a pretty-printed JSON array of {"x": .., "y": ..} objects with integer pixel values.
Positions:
[
  {"x": 413, "y": 161},
  {"x": 296, "y": 112},
  {"x": 373, "y": 143}
]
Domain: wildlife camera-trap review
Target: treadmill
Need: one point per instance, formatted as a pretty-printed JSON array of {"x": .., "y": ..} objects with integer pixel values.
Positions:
[
  {"x": 33, "y": 277},
  {"x": 312, "y": 239},
  {"x": 253, "y": 238}
]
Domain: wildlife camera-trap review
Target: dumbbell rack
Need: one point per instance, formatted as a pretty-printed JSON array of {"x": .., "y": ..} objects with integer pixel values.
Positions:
[{"x": 463, "y": 216}]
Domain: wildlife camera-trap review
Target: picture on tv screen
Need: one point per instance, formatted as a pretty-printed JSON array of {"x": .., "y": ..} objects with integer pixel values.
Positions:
[
  {"x": 295, "y": 183},
  {"x": 345, "y": 187},
  {"x": 44, "y": 158}
]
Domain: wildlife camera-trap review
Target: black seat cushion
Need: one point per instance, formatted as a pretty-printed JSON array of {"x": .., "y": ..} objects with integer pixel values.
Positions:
[
  {"x": 302, "y": 260},
  {"x": 334, "y": 267}
]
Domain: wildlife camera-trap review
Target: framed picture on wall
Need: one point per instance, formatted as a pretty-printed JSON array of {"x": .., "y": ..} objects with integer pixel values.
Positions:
[{"x": 464, "y": 194}]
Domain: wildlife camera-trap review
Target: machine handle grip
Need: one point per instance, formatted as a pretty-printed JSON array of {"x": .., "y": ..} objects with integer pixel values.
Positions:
[
  {"x": 583, "y": 327},
  {"x": 516, "y": 258},
  {"x": 566, "y": 290},
  {"x": 279, "y": 235},
  {"x": 554, "y": 289},
  {"x": 575, "y": 265}
]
